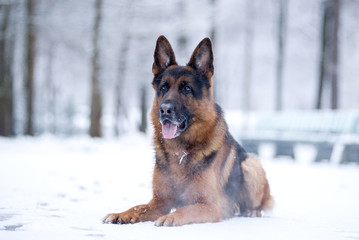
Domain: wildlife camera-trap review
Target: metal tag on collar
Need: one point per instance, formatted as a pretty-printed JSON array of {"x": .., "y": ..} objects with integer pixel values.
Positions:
[{"x": 182, "y": 157}]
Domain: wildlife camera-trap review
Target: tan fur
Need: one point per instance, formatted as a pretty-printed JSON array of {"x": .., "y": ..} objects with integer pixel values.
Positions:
[
  {"x": 255, "y": 192},
  {"x": 228, "y": 165}
]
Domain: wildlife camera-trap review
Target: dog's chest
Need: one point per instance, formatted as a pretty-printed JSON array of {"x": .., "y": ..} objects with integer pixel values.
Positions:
[
  {"x": 184, "y": 179},
  {"x": 179, "y": 169}
]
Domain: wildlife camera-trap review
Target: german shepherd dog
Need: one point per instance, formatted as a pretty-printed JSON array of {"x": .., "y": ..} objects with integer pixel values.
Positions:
[{"x": 201, "y": 173}]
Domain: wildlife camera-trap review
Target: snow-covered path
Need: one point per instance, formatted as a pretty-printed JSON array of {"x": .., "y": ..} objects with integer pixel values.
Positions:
[{"x": 53, "y": 188}]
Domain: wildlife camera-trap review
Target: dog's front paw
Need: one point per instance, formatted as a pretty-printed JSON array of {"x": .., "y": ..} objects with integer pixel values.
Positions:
[
  {"x": 111, "y": 218},
  {"x": 169, "y": 220},
  {"x": 120, "y": 218},
  {"x": 136, "y": 214}
]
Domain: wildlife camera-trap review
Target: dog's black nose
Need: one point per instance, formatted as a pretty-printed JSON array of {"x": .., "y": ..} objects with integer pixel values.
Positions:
[{"x": 167, "y": 108}]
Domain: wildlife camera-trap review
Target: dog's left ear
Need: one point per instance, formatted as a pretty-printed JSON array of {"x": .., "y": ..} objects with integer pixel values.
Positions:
[
  {"x": 163, "y": 55},
  {"x": 202, "y": 58}
]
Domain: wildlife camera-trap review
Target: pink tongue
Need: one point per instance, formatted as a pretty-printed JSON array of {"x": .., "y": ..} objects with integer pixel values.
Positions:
[{"x": 169, "y": 130}]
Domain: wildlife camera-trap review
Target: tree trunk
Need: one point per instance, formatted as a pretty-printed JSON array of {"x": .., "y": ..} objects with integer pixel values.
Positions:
[
  {"x": 6, "y": 76},
  {"x": 213, "y": 19},
  {"x": 182, "y": 38},
  {"x": 143, "y": 125},
  {"x": 30, "y": 42},
  {"x": 122, "y": 66},
  {"x": 96, "y": 97},
  {"x": 119, "y": 107},
  {"x": 335, "y": 50},
  {"x": 328, "y": 74},
  {"x": 282, "y": 30},
  {"x": 248, "y": 55},
  {"x": 51, "y": 92},
  {"x": 322, "y": 58},
  {"x": 212, "y": 34}
]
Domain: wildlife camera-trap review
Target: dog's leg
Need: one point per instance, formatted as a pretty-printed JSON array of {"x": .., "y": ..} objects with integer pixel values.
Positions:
[
  {"x": 197, "y": 213},
  {"x": 255, "y": 192},
  {"x": 147, "y": 212},
  {"x": 161, "y": 203}
]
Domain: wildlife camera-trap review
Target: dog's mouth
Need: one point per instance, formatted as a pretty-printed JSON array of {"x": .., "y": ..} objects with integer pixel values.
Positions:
[{"x": 172, "y": 129}]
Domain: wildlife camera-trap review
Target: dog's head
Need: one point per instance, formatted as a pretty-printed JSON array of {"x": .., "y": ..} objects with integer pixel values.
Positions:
[{"x": 184, "y": 95}]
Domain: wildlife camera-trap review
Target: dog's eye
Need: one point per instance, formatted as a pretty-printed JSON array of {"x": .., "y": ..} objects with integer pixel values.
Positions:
[
  {"x": 186, "y": 90},
  {"x": 164, "y": 88}
]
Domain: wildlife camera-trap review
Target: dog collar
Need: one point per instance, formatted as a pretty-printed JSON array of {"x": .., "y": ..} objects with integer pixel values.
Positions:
[{"x": 184, "y": 154}]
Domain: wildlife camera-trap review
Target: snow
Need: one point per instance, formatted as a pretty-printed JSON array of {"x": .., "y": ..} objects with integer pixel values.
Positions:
[{"x": 60, "y": 188}]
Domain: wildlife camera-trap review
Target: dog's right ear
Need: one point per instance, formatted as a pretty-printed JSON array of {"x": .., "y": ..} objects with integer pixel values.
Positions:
[{"x": 163, "y": 56}]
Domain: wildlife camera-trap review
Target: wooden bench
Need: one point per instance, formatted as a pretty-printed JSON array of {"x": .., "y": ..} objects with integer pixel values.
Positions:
[{"x": 329, "y": 131}]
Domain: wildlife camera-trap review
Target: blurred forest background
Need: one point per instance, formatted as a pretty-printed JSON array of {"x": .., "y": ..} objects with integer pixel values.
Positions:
[{"x": 84, "y": 67}]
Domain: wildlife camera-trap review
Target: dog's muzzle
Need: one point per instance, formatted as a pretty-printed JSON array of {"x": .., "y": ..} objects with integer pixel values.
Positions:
[{"x": 173, "y": 124}]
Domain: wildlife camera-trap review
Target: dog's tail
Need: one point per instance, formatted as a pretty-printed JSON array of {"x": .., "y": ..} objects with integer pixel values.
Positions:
[{"x": 268, "y": 202}]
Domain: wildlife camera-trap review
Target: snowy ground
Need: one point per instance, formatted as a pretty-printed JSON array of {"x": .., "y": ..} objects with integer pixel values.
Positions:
[{"x": 53, "y": 188}]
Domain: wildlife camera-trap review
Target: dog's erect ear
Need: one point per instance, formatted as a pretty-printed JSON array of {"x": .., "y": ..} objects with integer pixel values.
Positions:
[
  {"x": 202, "y": 58},
  {"x": 163, "y": 56}
]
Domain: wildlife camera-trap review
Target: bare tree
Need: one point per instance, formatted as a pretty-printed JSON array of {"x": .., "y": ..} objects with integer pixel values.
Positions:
[
  {"x": 122, "y": 66},
  {"x": 143, "y": 124},
  {"x": 282, "y": 32},
  {"x": 212, "y": 34},
  {"x": 248, "y": 54},
  {"x": 213, "y": 20},
  {"x": 96, "y": 96},
  {"x": 328, "y": 74},
  {"x": 6, "y": 68},
  {"x": 335, "y": 50},
  {"x": 51, "y": 91},
  {"x": 30, "y": 42},
  {"x": 182, "y": 38}
]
